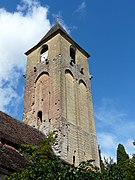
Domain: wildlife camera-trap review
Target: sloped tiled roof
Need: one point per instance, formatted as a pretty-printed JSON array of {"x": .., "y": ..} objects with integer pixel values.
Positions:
[
  {"x": 54, "y": 29},
  {"x": 13, "y": 133},
  {"x": 17, "y": 132},
  {"x": 11, "y": 160},
  {"x": 57, "y": 28}
]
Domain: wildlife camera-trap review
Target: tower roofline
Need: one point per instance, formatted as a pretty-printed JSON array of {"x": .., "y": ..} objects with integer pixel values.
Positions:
[{"x": 57, "y": 29}]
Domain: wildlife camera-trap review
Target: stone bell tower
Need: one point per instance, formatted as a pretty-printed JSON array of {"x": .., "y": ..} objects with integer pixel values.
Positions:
[{"x": 58, "y": 96}]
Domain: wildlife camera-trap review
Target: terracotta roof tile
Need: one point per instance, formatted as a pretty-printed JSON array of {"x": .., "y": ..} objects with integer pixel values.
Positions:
[
  {"x": 12, "y": 160},
  {"x": 12, "y": 134},
  {"x": 17, "y": 132}
]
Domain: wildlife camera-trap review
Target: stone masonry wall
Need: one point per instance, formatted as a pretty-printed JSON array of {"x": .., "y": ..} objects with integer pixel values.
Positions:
[{"x": 62, "y": 93}]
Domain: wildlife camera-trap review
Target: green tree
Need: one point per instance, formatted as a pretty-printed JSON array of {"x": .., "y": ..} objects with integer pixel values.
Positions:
[
  {"x": 124, "y": 169},
  {"x": 102, "y": 167},
  {"x": 129, "y": 169},
  {"x": 57, "y": 170},
  {"x": 39, "y": 153},
  {"x": 111, "y": 171},
  {"x": 122, "y": 156},
  {"x": 45, "y": 165}
]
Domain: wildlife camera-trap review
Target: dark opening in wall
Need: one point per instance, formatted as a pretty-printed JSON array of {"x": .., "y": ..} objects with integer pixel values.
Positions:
[
  {"x": 44, "y": 53},
  {"x": 72, "y": 54},
  {"x": 39, "y": 116},
  {"x": 82, "y": 71},
  {"x": 35, "y": 69},
  {"x": 73, "y": 159}
]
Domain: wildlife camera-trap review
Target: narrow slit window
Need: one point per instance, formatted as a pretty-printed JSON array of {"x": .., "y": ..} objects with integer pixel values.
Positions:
[
  {"x": 74, "y": 160},
  {"x": 72, "y": 54},
  {"x": 39, "y": 116}
]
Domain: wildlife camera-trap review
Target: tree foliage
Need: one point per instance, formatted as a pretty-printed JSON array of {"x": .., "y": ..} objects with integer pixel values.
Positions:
[
  {"x": 42, "y": 152},
  {"x": 124, "y": 169},
  {"x": 122, "y": 156},
  {"x": 57, "y": 170},
  {"x": 45, "y": 165}
]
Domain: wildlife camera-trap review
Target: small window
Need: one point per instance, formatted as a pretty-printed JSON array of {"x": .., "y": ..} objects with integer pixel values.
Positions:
[
  {"x": 44, "y": 54},
  {"x": 74, "y": 160},
  {"x": 39, "y": 116},
  {"x": 72, "y": 54}
]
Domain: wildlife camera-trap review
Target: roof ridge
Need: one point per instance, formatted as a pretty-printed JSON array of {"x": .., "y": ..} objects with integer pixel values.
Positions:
[
  {"x": 54, "y": 29},
  {"x": 57, "y": 28}
]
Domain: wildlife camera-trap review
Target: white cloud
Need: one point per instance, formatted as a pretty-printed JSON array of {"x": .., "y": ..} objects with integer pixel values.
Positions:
[
  {"x": 59, "y": 19},
  {"x": 81, "y": 7},
  {"x": 108, "y": 144},
  {"x": 27, "y": 5},
  {"x": 107, "y": 140},
  {"x": 19, "y": 31},
  {"x": 109, "y": 112},
  {"x": 114, "y": 126},
  {"x": 130, "y": 148},
  {"x": 7, "y": 95}
]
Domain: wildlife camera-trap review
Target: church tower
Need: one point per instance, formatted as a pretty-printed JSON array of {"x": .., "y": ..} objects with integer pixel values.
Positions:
[{"x": 58, "y": 96}]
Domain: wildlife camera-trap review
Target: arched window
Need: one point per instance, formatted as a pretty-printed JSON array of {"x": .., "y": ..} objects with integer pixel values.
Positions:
[
  {"x": 72, "y": 54},
  {"x": 44, "y": 54},
  {"x": 70, "y": 96},
  {"x": 42, "y": 96},
  {"x": 83, "y": 106}
]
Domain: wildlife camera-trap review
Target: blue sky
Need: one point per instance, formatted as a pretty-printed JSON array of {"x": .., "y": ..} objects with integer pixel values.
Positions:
[{"x": 105, "y": 29}]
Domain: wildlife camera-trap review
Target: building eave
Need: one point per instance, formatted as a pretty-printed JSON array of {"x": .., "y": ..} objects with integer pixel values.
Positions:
[{"x": 53, "y": 32}]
